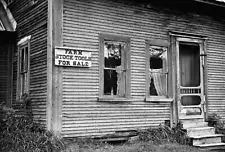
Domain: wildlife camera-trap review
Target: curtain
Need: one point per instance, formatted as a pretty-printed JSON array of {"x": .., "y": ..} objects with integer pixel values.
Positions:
[{"x": 160, "y": 83}]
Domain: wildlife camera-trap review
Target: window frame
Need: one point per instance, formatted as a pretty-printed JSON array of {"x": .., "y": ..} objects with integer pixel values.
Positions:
[
  {"x": 21, "y": 46},
  {"x": 158, "y": 43},
  {"x": 127, "y": 64}
]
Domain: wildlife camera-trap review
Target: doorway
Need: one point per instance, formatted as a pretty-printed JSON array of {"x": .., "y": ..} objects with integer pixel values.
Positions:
[
  {"x": 189, "y": 77},
  {"x": 7, "y": 47}
]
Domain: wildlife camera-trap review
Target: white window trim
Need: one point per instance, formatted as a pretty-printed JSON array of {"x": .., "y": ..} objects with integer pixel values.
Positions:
[{"x": 24, "y": 40}]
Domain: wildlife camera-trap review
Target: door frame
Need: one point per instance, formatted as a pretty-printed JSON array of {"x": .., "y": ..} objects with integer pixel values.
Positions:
[
  {"x": 187, "y": 90},
  {"x": 174, "y": 38}
]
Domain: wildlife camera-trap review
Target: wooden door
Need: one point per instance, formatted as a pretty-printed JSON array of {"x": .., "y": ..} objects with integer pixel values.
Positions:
[{"x": 190, "y": 85}]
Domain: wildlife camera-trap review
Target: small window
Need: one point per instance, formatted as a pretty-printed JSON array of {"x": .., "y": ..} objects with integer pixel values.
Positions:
[
  {"x": 23, "y": 68},
  {"x": 157, "y": 70},
  {"x": 114, "y": 66}
]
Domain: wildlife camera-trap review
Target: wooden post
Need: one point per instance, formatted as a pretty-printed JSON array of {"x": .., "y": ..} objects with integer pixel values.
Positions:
[
  {"x": 57, "y": 13},
  {"x": 205, "y": 80},
  {"x": 49, "y": 66}
]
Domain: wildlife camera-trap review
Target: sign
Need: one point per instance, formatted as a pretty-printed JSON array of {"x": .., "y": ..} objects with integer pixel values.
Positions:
[{"x": 72, "y": 57}]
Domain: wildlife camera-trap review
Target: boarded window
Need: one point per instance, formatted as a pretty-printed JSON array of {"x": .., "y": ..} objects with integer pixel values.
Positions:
[
  {"x": 114, "y": 60},
  {"x": 158, "y": 71}
]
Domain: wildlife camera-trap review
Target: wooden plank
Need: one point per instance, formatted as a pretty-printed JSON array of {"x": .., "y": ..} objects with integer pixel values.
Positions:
[{"x": 56, "y": 78}]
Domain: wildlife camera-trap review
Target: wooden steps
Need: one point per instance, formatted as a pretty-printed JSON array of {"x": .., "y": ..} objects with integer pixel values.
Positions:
[
  {"x": 213, "y": 146},
  {"x": 203, "y": 136}
]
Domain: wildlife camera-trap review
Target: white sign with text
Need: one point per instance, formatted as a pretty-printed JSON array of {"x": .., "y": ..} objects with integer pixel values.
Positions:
[{"x": 72, "y": 57}]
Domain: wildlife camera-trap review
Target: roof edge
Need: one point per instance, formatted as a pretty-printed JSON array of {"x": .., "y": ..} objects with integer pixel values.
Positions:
[
  {"x": 9, "y": 15},
  {"x": 218, "y": 3}
]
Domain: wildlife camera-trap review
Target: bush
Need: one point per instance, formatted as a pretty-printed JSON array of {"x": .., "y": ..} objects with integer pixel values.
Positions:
[
  {"x": 165, "y": 134},
  {"x": 19, "y": 133},
  {"x": 215, "y": 120}
]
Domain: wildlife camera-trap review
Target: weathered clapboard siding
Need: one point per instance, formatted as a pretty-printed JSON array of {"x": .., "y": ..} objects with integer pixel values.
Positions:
[
  {"x": 3, "y": 71},
  {"x": 83, "y": 21},
  {"x": 32, "y": 20}
]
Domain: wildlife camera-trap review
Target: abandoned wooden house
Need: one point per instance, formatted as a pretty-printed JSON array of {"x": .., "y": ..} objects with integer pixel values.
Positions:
[{"x": 95, "y": 67}]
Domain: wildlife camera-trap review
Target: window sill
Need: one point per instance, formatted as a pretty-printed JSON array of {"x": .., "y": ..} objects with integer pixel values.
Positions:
[
  {"x": 114, "y": 99},
  {"x": 158, "y": 99}
]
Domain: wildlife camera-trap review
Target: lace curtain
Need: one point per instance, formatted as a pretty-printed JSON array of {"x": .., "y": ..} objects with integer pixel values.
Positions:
[{"x": 159, "y": 79}]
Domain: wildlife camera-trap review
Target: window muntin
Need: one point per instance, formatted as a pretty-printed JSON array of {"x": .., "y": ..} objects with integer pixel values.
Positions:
[
  {"x": 158, "y": 71},
  {"x": 114, "y": 66}
]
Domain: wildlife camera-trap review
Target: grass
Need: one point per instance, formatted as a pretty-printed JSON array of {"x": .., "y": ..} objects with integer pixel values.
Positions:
[
  {"x": 140, "y": 146},
  {"x": 160, "y": 139}
]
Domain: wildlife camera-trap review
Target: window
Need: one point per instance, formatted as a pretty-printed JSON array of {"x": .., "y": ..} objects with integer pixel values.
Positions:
[
  {"x": 23, "y": 67},
  {"x": 156, "y": 70},
  {"x": 114, "y": 67}
]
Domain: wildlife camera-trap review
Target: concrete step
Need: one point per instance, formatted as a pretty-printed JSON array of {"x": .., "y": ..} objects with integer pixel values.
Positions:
[
  {"x": 191, "y": 120},
  {"x": 194, "y": 125},
  {"x": 206, "y": 139},
  {"x": 213, "y": 146},
  {"x": 193, "y": 132},
  {"x": 191, "y": 123}
]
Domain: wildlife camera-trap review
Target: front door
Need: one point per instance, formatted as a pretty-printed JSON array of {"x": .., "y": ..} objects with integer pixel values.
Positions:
[{"x": 190, "y": 84}]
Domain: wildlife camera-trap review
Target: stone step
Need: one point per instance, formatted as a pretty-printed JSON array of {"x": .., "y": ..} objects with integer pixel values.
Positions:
[
  {"x": 213, "y": 146},
  {"x": 192, "y": 132},
  {"x": 206, "y": 139}
]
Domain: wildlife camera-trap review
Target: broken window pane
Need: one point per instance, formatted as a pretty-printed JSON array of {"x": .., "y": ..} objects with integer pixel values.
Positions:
[
  {"x": 158, "y": 71},
  {"x": 110, "y": 82},
  {"x": 112, "y": 53},
  {"x": 113, "y": 68}
]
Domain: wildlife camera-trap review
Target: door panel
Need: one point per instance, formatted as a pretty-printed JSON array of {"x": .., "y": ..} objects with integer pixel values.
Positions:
[
  {"x": 190, "y": 93},
  {"x": 189, "y": 59}
]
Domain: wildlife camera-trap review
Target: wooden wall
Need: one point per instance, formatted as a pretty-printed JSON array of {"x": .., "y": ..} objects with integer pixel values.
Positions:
[
  {"x": 83, "y": 21},
  {"x": 31, "y": 20}
]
